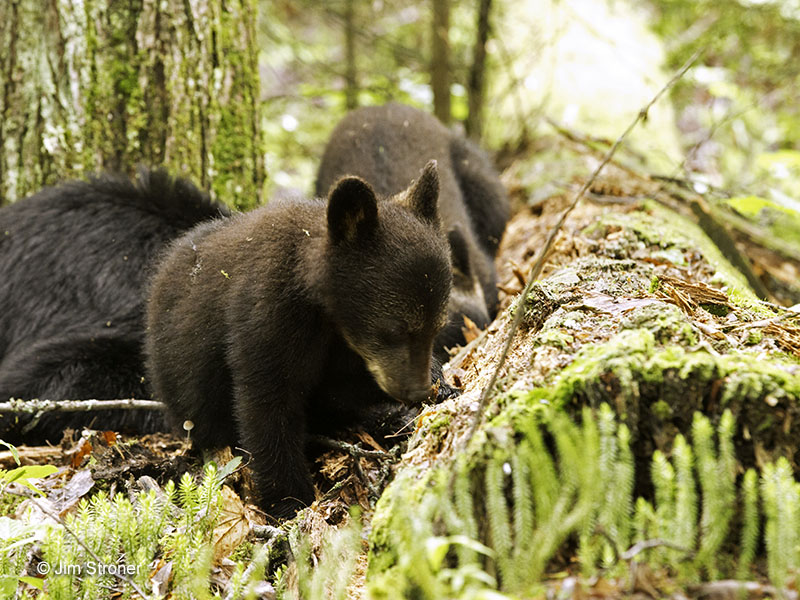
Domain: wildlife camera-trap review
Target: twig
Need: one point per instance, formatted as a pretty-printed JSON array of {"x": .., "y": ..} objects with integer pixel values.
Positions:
[
  {"x": 640, "y": 547},
  {"x": 537, "y": 266},
  {"x": 352, "y": 449},
  {"x": 363, "y": 476},
  {"x": 729, "y": 588},
  {"x": 42, "y": 406},
  {"x": 31, "y": 455}
]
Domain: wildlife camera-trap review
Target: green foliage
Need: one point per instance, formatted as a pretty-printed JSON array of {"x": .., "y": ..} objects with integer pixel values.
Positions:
[
  {"x": 717, "y": 476},
  {"x": 304, "y": 71},
  {"x": 779, "y": 492},
  {"x": 748, "y": 85},
  {"x": 748, "y": 539},
  {"x": 126, "y": 535},
  {"x": 23, "y": 475},
  {"x": 781, "y": 224},
  {"x": 555, "y": 484}
]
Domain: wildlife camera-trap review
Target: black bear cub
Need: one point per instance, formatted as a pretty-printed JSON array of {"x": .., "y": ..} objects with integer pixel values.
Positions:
[
  {"x": 386, "y": 145},
  {"x": 252, "y": 318},
  {"x": 74, "y": 262}
]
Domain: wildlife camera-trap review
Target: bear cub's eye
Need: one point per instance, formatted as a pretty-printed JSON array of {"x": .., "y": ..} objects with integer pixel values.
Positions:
[{"x": 394, "y": 334}]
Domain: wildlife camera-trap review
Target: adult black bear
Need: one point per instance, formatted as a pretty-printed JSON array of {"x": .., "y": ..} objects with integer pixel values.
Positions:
[
  {"x": 276, "y": 322},
  {"x": 386, "y": 145},
  {"x": 74, "y": 261}
]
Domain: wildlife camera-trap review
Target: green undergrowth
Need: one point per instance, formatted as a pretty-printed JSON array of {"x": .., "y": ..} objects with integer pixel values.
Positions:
[
  {"x": 135, "y": 537},
  {"x": 529, "y": 501}
]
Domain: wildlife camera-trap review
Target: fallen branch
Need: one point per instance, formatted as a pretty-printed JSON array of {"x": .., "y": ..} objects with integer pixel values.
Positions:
[
  {"x": 42, "y": 406},
  {"x": 730, "y": 588},
  {"x": 30, "y": 455},
  {"x": 352, "y": 449},
  {"x": 539, "y": 264},
  {"x": 640, "y": 547}
]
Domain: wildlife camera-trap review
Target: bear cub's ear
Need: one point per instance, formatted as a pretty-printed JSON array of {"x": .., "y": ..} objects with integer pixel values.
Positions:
[
  {"x": 459, "y": 252},
  {"x": 424, "y": 194},
  {"x": 352, "y": 210}
]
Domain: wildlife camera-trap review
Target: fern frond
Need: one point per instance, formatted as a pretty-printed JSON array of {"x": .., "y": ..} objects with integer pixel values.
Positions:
[
  {"x": 749, "y": 533},
  {"x": 498, "y": 517},
  {"x": 465, "y": 510},
  {"x": 685, "y": 494},
  {"x": 544, "y": 480},
  {"x": 780, "y": 496},
  {"x": 524, "y": 514},
  {"x": 718, "y": 492},
  {"x": 621, "y": 491}
]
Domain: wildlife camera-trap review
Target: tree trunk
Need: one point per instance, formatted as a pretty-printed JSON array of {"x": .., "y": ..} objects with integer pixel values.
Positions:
[
  {"x": 476, "y": 86},
  {"x": 440, "y": 61},
  {"x": 103, "y": 85},
  {"x": 351, "y": 82}
]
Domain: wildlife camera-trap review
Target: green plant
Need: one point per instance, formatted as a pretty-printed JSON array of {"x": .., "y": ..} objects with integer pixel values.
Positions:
[
  {"x": 108, "y": 536},
  {"x": 517, "y": 503}
]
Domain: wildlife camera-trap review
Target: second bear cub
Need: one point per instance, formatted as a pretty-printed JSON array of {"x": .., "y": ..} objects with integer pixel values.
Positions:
[{"x": 250, "y": 318}]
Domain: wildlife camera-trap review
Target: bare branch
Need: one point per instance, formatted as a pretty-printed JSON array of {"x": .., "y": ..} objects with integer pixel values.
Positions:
[
  {"x": 640, "y": 547},
  {"x": 43, "y": 406},
  {"x": 352, "y": 449}
]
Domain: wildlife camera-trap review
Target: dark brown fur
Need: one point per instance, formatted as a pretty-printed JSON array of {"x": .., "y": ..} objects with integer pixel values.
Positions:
[
  {"x": 74, "y": 261},
  {"x": 386, "y": 146},
  {"x": 274, "y": 322}
]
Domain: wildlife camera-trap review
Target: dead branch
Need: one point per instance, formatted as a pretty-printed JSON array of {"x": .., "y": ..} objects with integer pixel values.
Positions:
[
  {"x": 725, "y": 589},
  {"x": 43, "y": 406},
  {"x": 640, "y": 547},
  {"x": 354, "y": 450},
  {"x": 31, "y": 455}
]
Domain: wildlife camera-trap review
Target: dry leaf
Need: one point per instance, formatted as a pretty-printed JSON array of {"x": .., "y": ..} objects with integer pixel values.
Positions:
[{"x": 233, "y": 526}]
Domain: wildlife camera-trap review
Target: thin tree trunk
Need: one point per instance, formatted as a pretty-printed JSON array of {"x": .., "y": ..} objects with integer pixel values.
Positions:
[
  {"x": 476, "y": 86},
  {"x": 106, "y": 85},
  {"x": 351, "y": 82},
  {"x": 440, "y": 61}
]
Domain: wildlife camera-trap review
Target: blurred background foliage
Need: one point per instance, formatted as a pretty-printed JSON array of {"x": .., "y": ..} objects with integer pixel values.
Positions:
[
  {"x": 733, "y": 122},
  {"x": 103, "y": 85}
]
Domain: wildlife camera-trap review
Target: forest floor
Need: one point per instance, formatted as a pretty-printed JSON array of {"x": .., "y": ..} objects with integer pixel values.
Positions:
[{"x": 629, "y": 261}]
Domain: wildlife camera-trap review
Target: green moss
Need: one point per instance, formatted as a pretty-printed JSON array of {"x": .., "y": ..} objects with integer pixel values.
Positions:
[
  {"x": 652, "y": 383},
  {"x": 555, "y": 338},
  {"x": 666, "y": 321},
  {"x": 658, "y": 226},
  {"x": 754, "y": 336},
  {"x": 662, "y": 409},
  {"x": 634, "y": 358},
  {"x": 435, "y": 423},
  {"x": 408, "y": 489},
  {"x": 718, "y": 310}
]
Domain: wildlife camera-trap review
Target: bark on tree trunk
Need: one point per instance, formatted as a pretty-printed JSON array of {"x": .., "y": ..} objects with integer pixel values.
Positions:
[
  {"x": 102, "y": 85},
  {"x": 351, "y": 83},
  {"x": 440, "y": 61},
  {"x": 476, "y": 86}
]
